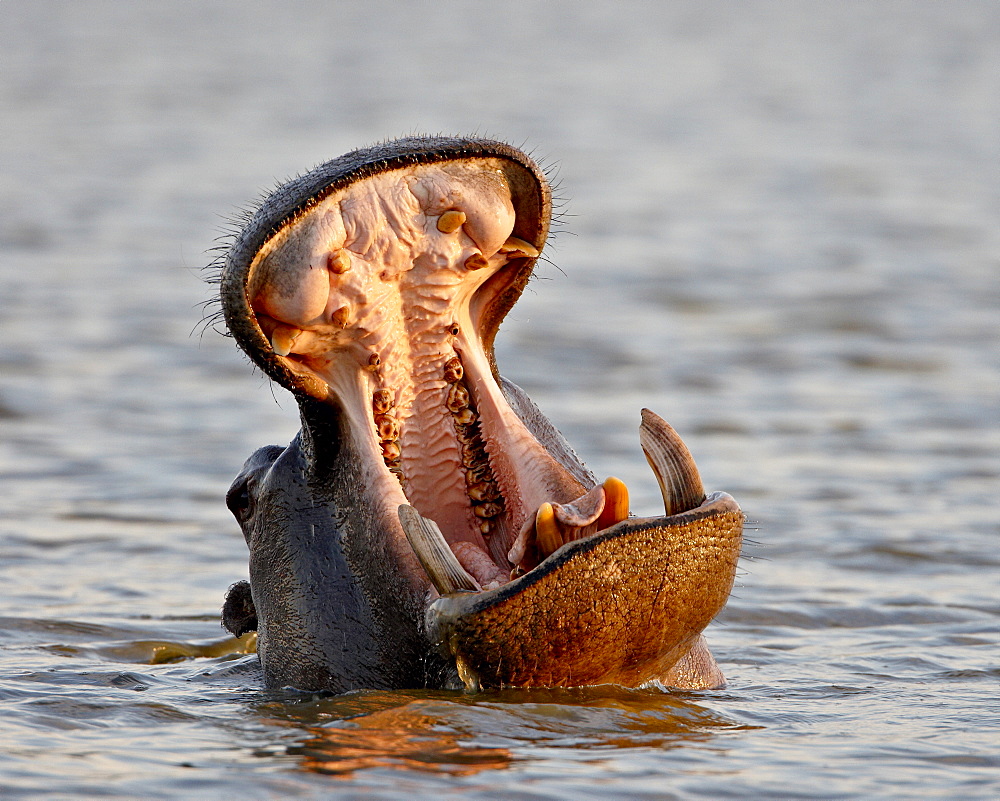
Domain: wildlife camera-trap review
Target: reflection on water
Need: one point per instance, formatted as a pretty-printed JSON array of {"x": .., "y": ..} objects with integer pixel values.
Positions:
[
  {"x": 401, "y": 738},
  {"x": 784, "y": 241},
  {"x": 459, "y": 734}
]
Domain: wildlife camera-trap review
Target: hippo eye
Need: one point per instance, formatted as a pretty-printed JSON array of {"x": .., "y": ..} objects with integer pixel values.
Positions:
[{"x": 239, "y": 501}]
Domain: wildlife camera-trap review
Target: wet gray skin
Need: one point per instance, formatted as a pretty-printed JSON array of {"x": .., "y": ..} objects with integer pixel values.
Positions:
[{"x": 428, "y": 526}]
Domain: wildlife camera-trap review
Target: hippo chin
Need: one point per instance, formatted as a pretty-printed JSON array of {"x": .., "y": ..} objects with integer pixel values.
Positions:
[{"x": 428, "y": 526}]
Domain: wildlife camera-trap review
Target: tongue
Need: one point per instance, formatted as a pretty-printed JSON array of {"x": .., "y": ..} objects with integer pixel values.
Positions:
[{"x": 554, "y": 524}]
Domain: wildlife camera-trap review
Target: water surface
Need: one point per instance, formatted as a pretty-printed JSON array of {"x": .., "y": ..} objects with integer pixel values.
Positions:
[{"x": 780, "y": 234}]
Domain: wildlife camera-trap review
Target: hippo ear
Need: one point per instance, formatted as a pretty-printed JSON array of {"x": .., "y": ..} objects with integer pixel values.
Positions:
[{"x": 239, "y": 616}]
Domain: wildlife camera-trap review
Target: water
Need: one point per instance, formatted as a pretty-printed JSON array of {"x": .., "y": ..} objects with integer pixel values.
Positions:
[{"x": 784, "y": 239}]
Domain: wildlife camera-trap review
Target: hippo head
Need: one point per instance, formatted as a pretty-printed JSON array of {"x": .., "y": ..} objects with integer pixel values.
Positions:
[{"x": 429, "y": 526}]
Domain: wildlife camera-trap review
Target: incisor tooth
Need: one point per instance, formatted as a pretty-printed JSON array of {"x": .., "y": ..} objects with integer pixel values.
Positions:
[
  {"x": 451, "y": 221},
  {"x": 515, "y": 245},
  {"x": 615, "y": 503},
  {"x": 283, "y": 339},
  {"x": 547, "y": 530}
]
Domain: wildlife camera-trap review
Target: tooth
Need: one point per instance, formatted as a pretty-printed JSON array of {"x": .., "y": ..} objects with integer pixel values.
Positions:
[
  {"x": 515, "y": 245},
  {"x": 615, "y": 503},
  {"x": 439, "y": 561},
  {"x": 453, "y": 370},
  {"x": 381, "y": 401},
  {"x": 476, "y": 262},
  {"x": 547, "y": 530},
  {"x": 374, "y": 361},
  {"x": 484, "y": 491},
  {"x": 339, "y": 262},
  {"x": 485, "y": 510},
  {"x": 341, "y": 317},
  {"x": 479, "y": 474},
  {"x": 283, "y": 339},
  {"x": 672, "y": 463},
  {"x": 451, "y": 221},
  {"x": 458, "y": 398},
  {"x": 390, "y": 451},
  {"x": 473, "y": 454},
  {"x": 388, "y": 427}
]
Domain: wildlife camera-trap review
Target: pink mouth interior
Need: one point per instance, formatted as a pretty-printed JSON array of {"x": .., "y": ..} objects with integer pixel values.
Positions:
[{"x": 379, "y": 291}]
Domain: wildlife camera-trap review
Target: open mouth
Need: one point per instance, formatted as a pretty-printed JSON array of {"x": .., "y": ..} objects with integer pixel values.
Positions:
[
  {"x": 384, "y": 297},
  {"x": 376, "y": 285}
]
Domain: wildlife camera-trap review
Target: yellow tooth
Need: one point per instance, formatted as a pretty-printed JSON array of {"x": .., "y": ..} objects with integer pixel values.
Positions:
[
  {"x": 382, "y": 401},
  {"x": 388, "y": 427},
  {"x": 515, "y": 245},
  {"x": 453, "y": 370},
  {"x": 547, "y": 529},
  {"x": 476, "y": 262},
  {"x": 615, "y": 503},
  {"x": 458, "y": 398},
  {"x": 339, "y": 262},
  {"x": 487, "y": 510},
  {"x": 451, "y": 221},
  {"x": 341, "y": 317},
  {"x": 484, "y": 491},
  {"x": 283, "y": 339}
]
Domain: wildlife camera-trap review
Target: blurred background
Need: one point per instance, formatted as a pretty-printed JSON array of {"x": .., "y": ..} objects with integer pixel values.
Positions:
[{"x": 779, "y": 230}]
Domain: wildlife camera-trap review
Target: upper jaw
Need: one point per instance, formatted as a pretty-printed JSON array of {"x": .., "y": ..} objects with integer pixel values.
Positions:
[
  {"x": 530, "y": 196},
  {"x": 361, "y": 284}
]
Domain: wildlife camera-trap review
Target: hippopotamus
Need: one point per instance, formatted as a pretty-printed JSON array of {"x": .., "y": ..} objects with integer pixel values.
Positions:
[{"x": 429, "y": 527}]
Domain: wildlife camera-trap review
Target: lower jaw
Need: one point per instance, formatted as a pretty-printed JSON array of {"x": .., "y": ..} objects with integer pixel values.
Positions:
[{"x": 457, "y": 563}]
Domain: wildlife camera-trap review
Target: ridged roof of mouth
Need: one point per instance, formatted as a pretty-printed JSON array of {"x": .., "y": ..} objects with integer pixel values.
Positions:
[{"x": 377, "y": 283}]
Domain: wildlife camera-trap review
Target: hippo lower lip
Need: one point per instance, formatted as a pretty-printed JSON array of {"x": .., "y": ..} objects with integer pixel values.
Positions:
[{"x": 429, "y": 519}]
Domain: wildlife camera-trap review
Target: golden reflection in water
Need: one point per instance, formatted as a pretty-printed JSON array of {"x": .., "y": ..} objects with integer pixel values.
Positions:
[
  {"x": 159, "y": 652},
  {"x": 401, "y": 738},
  {"x": 437, "y": 731}
]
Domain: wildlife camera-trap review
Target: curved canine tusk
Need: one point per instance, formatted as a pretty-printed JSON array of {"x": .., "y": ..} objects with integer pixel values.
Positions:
[
  {"x": 439, "y": 561},
  {"x": 672, "y": 463}
]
